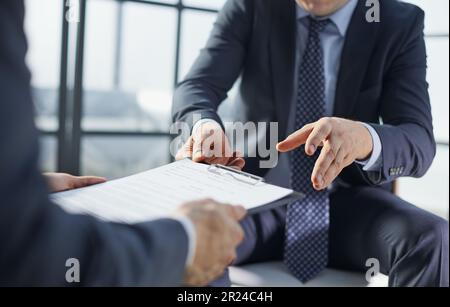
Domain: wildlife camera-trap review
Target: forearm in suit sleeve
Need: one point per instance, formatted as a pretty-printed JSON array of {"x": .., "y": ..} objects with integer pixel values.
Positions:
[
  {"x": 407, "y": 131},
  {"x": 36, "y": 236},
  {"x": 218, "y": 66}
]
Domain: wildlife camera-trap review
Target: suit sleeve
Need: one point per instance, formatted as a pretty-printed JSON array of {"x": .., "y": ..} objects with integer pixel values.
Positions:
[
  {"x": 36, "y": 236},
  {"x": 407, "y": 131},
  {"x": 218, "y": 66}
]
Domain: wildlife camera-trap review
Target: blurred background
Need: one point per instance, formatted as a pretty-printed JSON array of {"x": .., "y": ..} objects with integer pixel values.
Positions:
[{"x": 103, "y": 86}]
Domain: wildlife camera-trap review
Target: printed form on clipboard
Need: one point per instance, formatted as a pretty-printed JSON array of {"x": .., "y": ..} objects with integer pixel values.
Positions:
[{"x": 159, "y": 192}]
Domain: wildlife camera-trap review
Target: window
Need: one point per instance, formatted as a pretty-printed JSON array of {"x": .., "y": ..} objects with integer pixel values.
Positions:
[
  {"x": 436, "y": 182},
  {"x": 129, "y": 68},
  {"x": 42, "y": 24},
  {"x": 133, "y": 54}
]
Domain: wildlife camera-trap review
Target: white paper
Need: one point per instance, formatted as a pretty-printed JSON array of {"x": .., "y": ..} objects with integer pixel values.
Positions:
[{"x": 158, "y": 192}]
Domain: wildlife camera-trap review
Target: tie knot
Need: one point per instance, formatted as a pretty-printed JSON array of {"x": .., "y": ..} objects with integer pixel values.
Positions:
[{"x": 318, "y": 25}]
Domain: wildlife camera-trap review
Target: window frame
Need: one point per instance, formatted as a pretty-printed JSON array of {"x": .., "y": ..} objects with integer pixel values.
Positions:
[{"x": 70, "y": 94}]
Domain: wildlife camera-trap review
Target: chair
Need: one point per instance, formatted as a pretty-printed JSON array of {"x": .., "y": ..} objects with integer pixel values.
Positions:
[{"x": 275, "y": 274}]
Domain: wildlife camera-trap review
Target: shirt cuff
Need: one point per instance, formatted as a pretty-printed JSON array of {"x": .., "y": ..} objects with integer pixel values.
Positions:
[
  {"x": 192, "y": 237},
  {"x": 201, "y": 122},
  {"x": 374, "y": 162}
]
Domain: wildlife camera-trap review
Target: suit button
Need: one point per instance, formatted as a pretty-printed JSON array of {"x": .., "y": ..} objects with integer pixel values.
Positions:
[{"x": 396, "y": 171}]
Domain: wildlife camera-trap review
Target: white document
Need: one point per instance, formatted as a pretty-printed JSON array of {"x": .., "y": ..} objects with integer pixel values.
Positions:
[{"x": 158, "y": 192}]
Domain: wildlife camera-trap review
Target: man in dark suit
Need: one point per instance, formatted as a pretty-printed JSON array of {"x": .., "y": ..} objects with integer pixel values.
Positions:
[
  {"x": 349, "y": 90},
  {"x": 38, "y": 239}
]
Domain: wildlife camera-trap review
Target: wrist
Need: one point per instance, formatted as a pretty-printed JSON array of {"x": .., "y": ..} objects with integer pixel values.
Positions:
[{"x": 365, "y": 143}]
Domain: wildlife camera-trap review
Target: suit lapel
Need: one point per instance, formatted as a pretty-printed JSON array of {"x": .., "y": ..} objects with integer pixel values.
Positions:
[
  {"x": 358, "y": 47},
  {"x": 282, "y": 50}
]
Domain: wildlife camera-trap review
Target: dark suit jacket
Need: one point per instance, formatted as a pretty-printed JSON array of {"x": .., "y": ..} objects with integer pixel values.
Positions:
[
  {"x": 382, "y": 78},
  {"x": 36, "y": 237}
]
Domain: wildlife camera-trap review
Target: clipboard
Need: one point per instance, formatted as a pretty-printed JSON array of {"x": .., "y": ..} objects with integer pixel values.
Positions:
[
  {"x": 254, "y": 180},
  {"x": 158, "y": 193}
]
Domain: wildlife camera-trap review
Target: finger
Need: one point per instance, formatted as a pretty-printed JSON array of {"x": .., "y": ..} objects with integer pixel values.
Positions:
[
  {"x": 186, "y": 150},
  {"x": 232, "y": 160},
  {"x": 227, "y": 253},
  {"x": 217, "y": 160},
  {"x": 203, "y": 140},
  {"x": 236, "y": 234},
  {"x": 326, "y": 158},
  {"x": 232, "y": 258},
  {"x": 239, "y": 212},
  {"x": 320, "y": 133},
  {"x": 229, "y": 257},
  {"x": 296, "y": 139},
  {"x": 211, "y": 146},
  {"x": 215, "y": 272},
  {"x": 333, "y": 171},
  {"x": 197, "y": 151},
  {"x": 214, "y": 144},
  {"x": 236, "y": 213},
  {"x": 207, "y": 201},
  {"x": 336, "y": 168},
  {"x": 79, "y": 182},
  {"x": 237, "y": 163},
  {"x": 221, "y": 147},
  {"x": 239, "y": 235},
  {"x": 235, "y": 231},
  {"x": 226, "y": 146},
  {"x": 340, "y": 157}
]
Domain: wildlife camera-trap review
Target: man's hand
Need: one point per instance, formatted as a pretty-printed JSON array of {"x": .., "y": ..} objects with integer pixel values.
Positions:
[
  {"x": 343, "y": 142},
  {"x": 218, "y": 234},
  {"x": 210, "y": 145},
  {"x": 58, "y": 182}
]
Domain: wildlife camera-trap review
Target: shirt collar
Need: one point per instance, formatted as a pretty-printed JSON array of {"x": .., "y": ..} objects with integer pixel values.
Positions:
[{"x": 341, "y": 18}]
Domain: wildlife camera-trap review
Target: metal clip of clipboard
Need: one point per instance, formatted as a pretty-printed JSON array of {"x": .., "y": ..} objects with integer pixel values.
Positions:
[{"x": 234, "y": 173}]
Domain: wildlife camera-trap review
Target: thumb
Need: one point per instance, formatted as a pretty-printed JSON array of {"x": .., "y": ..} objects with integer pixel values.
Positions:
[
  {"x": 185, "y": 151},
  {"x": 239, "y": 212},
  {"x": 237, "y": 163},
  {"x": 197, "y": 152}
]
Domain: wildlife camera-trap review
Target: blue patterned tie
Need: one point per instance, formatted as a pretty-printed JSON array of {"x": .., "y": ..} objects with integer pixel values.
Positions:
[{"x": 306, "y": 245}]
